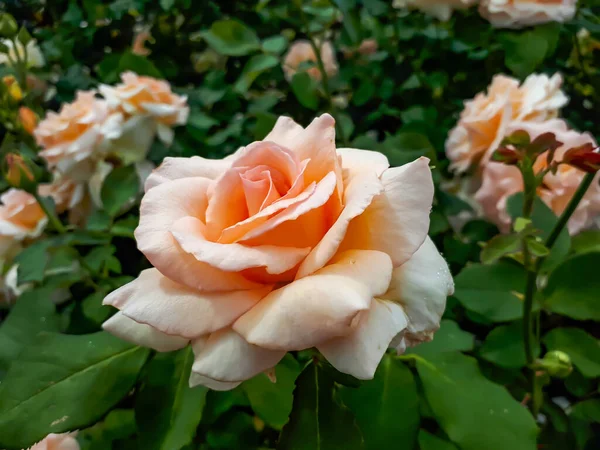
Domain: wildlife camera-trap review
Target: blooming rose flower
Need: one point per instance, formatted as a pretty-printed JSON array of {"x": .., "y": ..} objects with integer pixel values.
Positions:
[
  {"x": 301, "y": 52},
  {"x": 20, "y": 216},
  {"x": 500, "y": 181},
  {"x": 148, "y": 104},
  {"x": 484, "y": 121},
  {"x": 286, "y": 245},
  {"x": 34, "y": 55},
  {"x": 65, "y": 441},
  {"x": 441, "y": 9},
  {"x": 522, "y": 13},
  {"x": 74, "y": 136}
]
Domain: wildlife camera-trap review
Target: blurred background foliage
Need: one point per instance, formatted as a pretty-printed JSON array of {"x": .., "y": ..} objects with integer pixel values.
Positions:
[{"x": 466, "y": 389}]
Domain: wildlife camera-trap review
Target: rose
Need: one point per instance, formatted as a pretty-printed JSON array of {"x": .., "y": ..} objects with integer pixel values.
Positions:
[
  {"x": 65, "y": 441},
  {"x": 441, "y": 9},
  {"x": 287, "y": 244},
  {"x": 20, "y": 215},
  {"x": 484, "y": 121},
  {"x": 34, "y": 55},
  {"x": 522, "y": 13},
  {"x": 149, "y": 106},
  {"x": 72, "y": 139},
  {"x": 303, "y": 52},
  {"x": 500, "y": 181}
]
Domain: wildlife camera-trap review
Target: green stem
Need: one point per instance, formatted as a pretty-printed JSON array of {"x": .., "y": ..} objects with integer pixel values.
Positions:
[
  {"x": 55, "y": 221},
  {"x": 20, "y": 65}
]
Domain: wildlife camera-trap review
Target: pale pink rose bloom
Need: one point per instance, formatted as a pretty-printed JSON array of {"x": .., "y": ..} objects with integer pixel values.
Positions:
[
  {"x": 522, "y": 13},
  {"x": 288, "y": 244},
  {"x": 65, "y": 441},
  {"x": 302, "y": 51},
  {"x": 148, "y": 105},
  {"x": 484, "y": 121},
  {"x": 20, "y": 215},
  {"x": 440, "y": 9},
  {"x": 500, "y": 181},
  {"x": 74, "y": 135}
]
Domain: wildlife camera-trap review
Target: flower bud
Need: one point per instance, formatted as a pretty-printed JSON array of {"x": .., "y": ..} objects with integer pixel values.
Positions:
[
  {"x": 8, "y": 26},
  {"x": 557, "y": 364},
  {"x": 18, "y": 173},
  {"x": 583, "y": 158},
  {"x": 14, "y": 90},
  {"x": 28, "y": 119}
]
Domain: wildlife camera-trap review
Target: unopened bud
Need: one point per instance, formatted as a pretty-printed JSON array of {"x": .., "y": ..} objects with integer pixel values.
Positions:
[
  {"x": 28, "y": 119},
  {"x": 544, "y": 142},
  {"x": 18, "y": 174},
  {"x": 506, "y": 155},
  {"x": 14, "y": 90},
  {"x": 583, "y": 158},
  {"x": 556, "y": 364},
  {"x": 8, "y": 26}
]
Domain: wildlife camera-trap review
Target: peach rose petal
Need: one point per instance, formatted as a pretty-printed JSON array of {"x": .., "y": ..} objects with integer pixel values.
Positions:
[
  {"x": 196, "y": 166},
  {"x": 177, "y": 310},
  {"x": 141, "y": 334},
  {"x": 270, "y": 154},
  {"x": 355, "y": 161},
  {"x": 359, "y": 354},
  {"x": 188, "y": 232},
  {"x": 161, "y": 207},
  {"x": 284, "y": 131},
  {"x": 358, "y": 195},
  {"x": 226, "y": 357},
  {"x": 196, "y": 379},
  {"x": 397, "y": 221},
  {"x": 421, "y": 286},
  {"x": 319, "y": 307}
]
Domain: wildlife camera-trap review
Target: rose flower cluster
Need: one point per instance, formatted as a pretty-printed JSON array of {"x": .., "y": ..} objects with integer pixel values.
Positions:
[
  {"x": 286, "y": 245},
  {"x": 489, "y": 118},
  {"x": 81, "y": 145}
]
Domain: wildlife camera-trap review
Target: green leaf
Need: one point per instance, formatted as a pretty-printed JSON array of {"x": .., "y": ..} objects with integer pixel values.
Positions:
[
  {"x": 253, "y": 68},
  {"x": 449, "y": 338},
  {"x": 138, "y": 64},
  {"x": 501, "y": 245},
  {"x": 376, "y": 406},
  {"x": 64, "y": 382},
  {"x": 583, "y": 349},
  {"x": 98, "y": 221},
  {"x": 231, "y": 38},
  {"x": 272, "y": 402},
  {"x": 32, "y": 262},
  {"x": 305, "y": 90},
  {"x": 274, "y": 44},
  {"x": 318, "y": 421},
  {"x": 120, "y": 187},
  {"x": 24, "y": 37},
  {"x": 94, "y": 310},
  {"x": 543, "y": 219},
  {"x": 406, "y": 146},
  {"x": 167, "y": 410},
  {"x": 587, "y": 410},
  {"x": 524, "y": 52},
  {"x": 573, "y": 288},
  {"x": 504, "y": 346},
  {"x": 118, "y": 424},
  {"x": 429, "y": 441},
  {"x": 586, "y": 242},
  {"x": 472, "y": 410},
  {"x": 363, "y": 94},
  {"x": 490, "y": 290},
  {"x": 32, "y": 314}
]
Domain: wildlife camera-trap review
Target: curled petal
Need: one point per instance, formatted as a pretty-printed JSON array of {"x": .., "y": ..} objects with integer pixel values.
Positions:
[
  {"x": 177, "y": 310},
  {"x": 196, "y": 166},
  {"x": 359, "y": 353},
  {"x": 319, "y": 307},
  {"x": 225, "y": 356},
  {"x": 141, "y": 334},
  {"x": 355, "y": 161}
]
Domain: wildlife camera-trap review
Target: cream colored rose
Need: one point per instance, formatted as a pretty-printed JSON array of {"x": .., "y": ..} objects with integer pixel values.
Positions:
[
  {"x": 20, "y": 215},
  {"x": 302, "y": 52},
  {"x": 441, "y": 9},
  {"x": 522, "y": 13},
  {"x": 484, "y": 121},
  {"x": 286, "y": 245},
  {"x": 500, "y": 181},
  {"x": 65, "y": 441},
  {"x": 73, "y": 138},
  {"x": 34, "y": 55},
  {"x": 148, "y": 105}
]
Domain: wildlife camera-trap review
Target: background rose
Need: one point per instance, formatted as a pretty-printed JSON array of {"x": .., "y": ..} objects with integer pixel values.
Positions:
[
  {"x": 500, "y": 181},
  {"x": 484, "y": 121},
  {"x": 65, "y": 441},
  {"x": 302, "y": 52},
  {"x": 286, "y": 245},
  {"x": 521, "y": 13}
]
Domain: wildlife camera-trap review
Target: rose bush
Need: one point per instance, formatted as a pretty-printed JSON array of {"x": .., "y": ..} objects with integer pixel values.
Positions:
[{"x": 286, "y": 245}]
